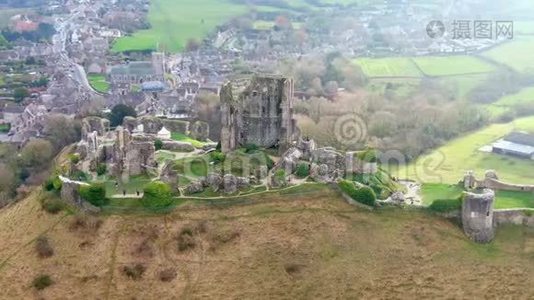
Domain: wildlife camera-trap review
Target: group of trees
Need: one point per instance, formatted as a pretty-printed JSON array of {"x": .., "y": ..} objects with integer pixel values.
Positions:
[
  {"x": 410, "y": 124},
  {"x": 30, "y": 164},
  {"x": 44, "y": 32},
  {"x": 322, "y": 76}
]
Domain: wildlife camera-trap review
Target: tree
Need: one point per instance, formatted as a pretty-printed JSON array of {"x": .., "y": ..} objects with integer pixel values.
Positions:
[
  {"x": 119, "y": 112},
  {"x": 94, "y": 194},
  {"x": 158, "y": 144},
  {"x": 20, "y": 93},
  {"x": 101, "y": 169},
  {"x": 303, "y": 170},
  {"x": 8, "y": 182},
  {"x": 37, "y": 153},
  {"x": 157, "y": 195},
  {"x": 61, "y": 130}
]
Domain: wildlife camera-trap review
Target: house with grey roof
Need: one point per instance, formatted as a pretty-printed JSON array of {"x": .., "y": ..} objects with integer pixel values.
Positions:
[{"x": 518, "y": 144}]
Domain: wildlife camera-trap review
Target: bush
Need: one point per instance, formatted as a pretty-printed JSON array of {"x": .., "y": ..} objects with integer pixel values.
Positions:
[
  {"x": 217, "y": 157},
  {"x": 186, "y": 240},
  {"x": 74, "y": 158},
  {"x": 79, "y": 176},
  {"x": 446, "y": 205},
  {"x": 251, "y": 148},
  {"x": 86, "y": 223},
  {"x": 94, "y": 194},
  {"x": 303, "y": 170},
  {"x": 134, "y": 272},
  {"x": 364, "y": 195},
  {"x": 52, "y": 184},
  {"x": 101, "y": 169},
  {"x": 157, "y": 195},
  {"x": 53, "y": 205},
  {"x": 158, "y": 144},
  {"x": 41, "y": 282},
  {"x": 167, "y": 275},
  {"x": 43, "y": 247},
  {"x": 370, "y": 156}
]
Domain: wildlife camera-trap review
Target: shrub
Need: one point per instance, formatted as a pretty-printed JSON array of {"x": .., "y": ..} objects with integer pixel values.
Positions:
[
  {"x": 369, "y": 155},
  {"x": 280, "y": 177},
  {"x": 167, "y": 275},
  {"x": 79, "y": 176},
  {"x": 134, "y": 272},
  {"x": 43, "y": 247},
  {"x": 101, "y": 169},
  {"x": 158, "y": 144},
  {"x": 217, "y": 157},
  {"x": 74, "y": 158},
  {"x": 94, "y": 194},
  {"x": 364, "y": 195},
  {"x": 446, "y": 205},
  {"x": 185, "y": 239},
  {"x": 157, "y": 195},
  {"x": 251, "y": 148},
  {"x": 53, "y": 205},
  {"x": 41, "y": 282},
  {"x": 303, "y": 170},
  {"x": 86, "y": 222}
]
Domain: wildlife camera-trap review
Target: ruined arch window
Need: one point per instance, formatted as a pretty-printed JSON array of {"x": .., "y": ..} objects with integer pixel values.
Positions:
[{"x": 254, "y": 93}]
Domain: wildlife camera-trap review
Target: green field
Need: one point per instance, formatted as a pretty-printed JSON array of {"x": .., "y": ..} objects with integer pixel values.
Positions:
[
  {"x": 136, "y": 183},
  {"x": 436, "y": 66},
  {"x": 452, "y": 65},
  {"x": 504, "y": 199},
  {"x": 462, "y": 85},
  {"x": 180, "y": 137},
  {"x": 449, "y": 163},
  {"x": 388, "y": 67},
  {"x": 516, "y": 54},
  {"x": 506, "y": 103},
  {"x": 175, "y": 22},
  {"x": 98, "y": 82}
]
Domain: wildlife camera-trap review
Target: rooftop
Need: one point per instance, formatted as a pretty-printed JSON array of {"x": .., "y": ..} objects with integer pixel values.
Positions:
[
  {"x": 520, "y": 138},
  {"x": 134, "y": 68}
]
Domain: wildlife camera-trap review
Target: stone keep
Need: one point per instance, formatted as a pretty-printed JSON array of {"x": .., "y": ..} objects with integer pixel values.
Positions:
[
  {"x": 258, "y": 110},
  {"x": 477, "y": 215}
]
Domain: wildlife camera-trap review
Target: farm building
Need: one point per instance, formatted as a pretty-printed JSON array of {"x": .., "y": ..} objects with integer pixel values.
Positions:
[{"x": 517, "y": 144}]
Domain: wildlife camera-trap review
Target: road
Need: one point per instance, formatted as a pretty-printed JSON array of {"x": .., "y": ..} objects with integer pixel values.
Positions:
[{"x": 71, "y": 68}]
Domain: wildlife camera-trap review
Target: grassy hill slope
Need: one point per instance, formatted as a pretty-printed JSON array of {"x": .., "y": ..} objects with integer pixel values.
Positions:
[{"x": 294, "y": 246}]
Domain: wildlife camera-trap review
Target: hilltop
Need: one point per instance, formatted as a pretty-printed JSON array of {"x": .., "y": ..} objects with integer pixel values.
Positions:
[{"x": 296, "y": 245}]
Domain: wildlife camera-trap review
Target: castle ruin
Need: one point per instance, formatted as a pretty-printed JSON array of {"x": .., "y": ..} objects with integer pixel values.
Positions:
[
  {"x": 259, "y": 111},
  {"x": 477, "y": 215}
]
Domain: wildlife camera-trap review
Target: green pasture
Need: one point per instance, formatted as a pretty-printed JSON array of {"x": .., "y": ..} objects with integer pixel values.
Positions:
[
  {"x": 516, "y": 54},
  {"x": 98, "y": 82},
  {"x": 176, "y": 22},
  {"x": 452, "y": 65},
  {"x": 448, "y": 163},
  {"x": 180, "y": 137},
  {"x": 388, "y": 67},
  {"x": 503, "y": 200},
  {"x": 508, "y": 102}
]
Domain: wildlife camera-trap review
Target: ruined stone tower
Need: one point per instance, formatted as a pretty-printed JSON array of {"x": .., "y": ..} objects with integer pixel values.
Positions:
[
  {"x": 477, "y": 215},
  {"x": 259, "y": 111}
]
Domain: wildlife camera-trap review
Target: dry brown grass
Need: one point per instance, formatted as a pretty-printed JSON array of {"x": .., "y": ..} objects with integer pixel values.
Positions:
[{"x": 312, "y": 246}]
